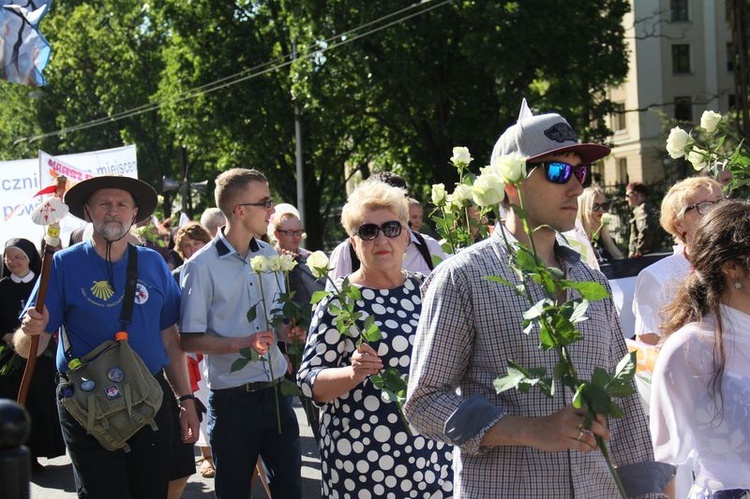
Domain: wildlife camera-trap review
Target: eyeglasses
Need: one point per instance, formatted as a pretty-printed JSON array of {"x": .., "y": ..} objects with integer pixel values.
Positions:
[
  {"x": 369, "y": 232},
  {"x": 262, "y": 204},
  {"x": 600, "y": 206},
  {"x": 559, "y": 172},
  {"x": 702, "y": 208},
  {"x": 291, "y": 233}
]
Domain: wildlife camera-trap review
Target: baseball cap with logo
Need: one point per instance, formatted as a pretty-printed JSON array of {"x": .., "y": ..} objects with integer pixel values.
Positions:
[{"x": 537, "y": 136}]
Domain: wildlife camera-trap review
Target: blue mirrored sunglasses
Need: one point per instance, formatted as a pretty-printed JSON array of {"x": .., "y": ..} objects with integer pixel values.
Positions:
[{"x": 559, "y": 172}]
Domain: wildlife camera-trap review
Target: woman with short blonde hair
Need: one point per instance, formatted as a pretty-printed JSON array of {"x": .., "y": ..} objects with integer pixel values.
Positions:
[{"x": 366, "y": 449}]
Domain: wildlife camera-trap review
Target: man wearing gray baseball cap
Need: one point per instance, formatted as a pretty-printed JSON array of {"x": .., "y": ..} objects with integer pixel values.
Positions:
[{"x": 515, "y": 444}]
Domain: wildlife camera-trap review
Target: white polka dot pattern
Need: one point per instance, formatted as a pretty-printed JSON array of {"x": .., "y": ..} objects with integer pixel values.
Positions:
[{"x": 365, "y": 449}]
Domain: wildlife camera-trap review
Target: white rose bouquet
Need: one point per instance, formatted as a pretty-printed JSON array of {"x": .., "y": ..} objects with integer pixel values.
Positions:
[
  {"x": 706, "y": 147},
  {"x": 458, "y": 215}
]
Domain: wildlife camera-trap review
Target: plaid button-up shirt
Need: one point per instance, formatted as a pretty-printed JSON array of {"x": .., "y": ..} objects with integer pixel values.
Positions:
[{"x": 470, "y": 327}]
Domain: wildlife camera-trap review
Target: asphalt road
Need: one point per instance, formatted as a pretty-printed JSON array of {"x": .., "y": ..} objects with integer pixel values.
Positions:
[{"x": 56, "y": 480}]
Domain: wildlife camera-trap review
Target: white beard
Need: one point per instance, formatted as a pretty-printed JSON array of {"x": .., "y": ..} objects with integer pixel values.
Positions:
[{"x": 112, "y": 230}]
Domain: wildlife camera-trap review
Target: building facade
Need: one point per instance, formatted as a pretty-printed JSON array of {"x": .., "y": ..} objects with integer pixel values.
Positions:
[{"x": 680, "y": 65}]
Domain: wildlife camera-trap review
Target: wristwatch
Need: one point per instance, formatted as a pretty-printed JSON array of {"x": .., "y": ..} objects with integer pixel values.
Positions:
[{"x": 189, "y": 396}]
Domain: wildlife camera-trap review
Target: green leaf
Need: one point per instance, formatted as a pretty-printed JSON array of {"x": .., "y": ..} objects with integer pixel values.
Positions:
[
  {"x": 547, "y": 339},
  {"x": 377, "y": 381},
  {"x": 500, "y": 280},
  {"x": 620, "y": 390},
  {"x": 615, "y": 411},
  {"x": 250, "y": 354},
  {"x": 526, "y": 260},
  {"x": 288, "y": 387},
  {"x": 588, "y": 290},
  {"x": 561, "y": 369},
  {"x": 556, "y": 273},
  {"x": 600, "y": 377},
  {"x": 317, "y": 296},
  {"x": 252, "y": 314},
  {"x": 238, "y": 364},
  {"x": 373, "y": 334},
  {"x": 598, "y": 399},
  {"x": 578, "y": 396}
]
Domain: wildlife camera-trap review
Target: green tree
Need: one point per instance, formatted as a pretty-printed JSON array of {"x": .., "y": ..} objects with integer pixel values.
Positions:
[
  {"x": 395, "y": 95},
  {"x": 106, "y": 59}
]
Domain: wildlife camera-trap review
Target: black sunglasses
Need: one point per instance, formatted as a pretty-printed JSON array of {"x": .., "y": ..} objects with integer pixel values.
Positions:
[
  {"x": 368, "y": 232},
  {"x": 600, "y": 207},
  {"x": 559, "y": 172}
]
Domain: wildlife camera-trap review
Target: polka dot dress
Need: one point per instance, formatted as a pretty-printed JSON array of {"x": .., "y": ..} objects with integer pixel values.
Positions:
[{"x": 365, "y": 448}]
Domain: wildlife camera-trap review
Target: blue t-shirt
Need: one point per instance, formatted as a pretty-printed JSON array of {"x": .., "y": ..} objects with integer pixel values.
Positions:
[{"x": 80, "y": 298}]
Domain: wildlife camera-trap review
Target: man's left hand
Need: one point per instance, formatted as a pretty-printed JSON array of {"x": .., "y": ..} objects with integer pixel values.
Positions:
[{"x": 189, "y": 423}]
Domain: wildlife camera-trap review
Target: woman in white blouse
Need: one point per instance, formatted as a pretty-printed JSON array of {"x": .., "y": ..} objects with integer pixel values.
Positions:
[{"x": 700, "y": 398}]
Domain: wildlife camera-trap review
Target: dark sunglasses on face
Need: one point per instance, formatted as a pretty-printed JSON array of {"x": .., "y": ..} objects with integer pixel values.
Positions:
[
  {"x": 369, "y": 232},
  {"x": 703, "y": 207},
  {"x": 600, "y": 206},
  {"x": 559, "y": 172}
]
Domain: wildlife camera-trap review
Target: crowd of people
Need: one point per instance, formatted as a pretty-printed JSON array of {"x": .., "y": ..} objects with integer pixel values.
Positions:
[{"x": 201, "y": 323}]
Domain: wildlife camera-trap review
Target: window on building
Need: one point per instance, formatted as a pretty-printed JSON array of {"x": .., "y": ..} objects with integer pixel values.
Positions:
[
  {"x": 618, "y": 117},
  {"x": 683, "y": 109},
  {"x": 730, "y": 57},
  {"x": 679, "y": 9},
  {"x": 680, "y": 58},
  {"x": 597, "y": 173},
  {"x": 622, "y": 171}
]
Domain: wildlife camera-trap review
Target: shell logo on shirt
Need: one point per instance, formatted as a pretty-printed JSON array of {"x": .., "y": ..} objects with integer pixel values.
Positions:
[{"x": 102, "y": 290}]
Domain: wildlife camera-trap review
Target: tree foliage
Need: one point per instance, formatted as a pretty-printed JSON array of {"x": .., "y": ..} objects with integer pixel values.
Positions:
[{"x": 396, "y": 94}]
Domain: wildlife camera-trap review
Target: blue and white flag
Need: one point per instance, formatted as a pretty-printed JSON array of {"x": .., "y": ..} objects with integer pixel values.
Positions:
[{"x": 24, "y": 52}]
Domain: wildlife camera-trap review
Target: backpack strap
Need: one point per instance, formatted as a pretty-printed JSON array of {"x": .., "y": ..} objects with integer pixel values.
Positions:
[
  {"x": 129, "y": 296},
  {"x": 423, "y": 249}
]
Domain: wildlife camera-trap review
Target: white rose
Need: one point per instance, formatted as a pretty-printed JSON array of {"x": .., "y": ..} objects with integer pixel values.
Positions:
[
  {"x": 274, "y": 264},
  {"x": 710, "y": 120},
  {"x": 511, "y": 167},
  {"x": 438, "y": 194},
  {"x": 461, "y": 156},
  {"x": 259, "y": 264},
  {"x": 677, "y": 141},
  {"x": 461, "y": 194},
  {"x": 698, "y": 158},
  {"x": 318, "y": 263},
  {"x": 287, "y": 262},
  {"x": 488, "y": 190}
]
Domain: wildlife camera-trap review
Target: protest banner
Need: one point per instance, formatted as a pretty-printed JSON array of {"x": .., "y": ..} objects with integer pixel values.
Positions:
[{"x": 21, "y": 179}]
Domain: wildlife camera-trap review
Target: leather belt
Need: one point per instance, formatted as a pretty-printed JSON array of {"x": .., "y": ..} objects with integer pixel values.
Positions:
[{"x": 254, "y": 387}]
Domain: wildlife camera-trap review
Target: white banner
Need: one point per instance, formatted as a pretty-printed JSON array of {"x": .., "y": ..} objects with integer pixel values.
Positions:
[{"x": 21, "y": 179}]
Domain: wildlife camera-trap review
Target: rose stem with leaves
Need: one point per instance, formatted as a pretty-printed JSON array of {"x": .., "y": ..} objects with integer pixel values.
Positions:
[{"x": 270, "y": 361}]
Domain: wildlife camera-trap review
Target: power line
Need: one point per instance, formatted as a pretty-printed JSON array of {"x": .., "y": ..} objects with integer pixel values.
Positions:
[{"x": 326, "y": 45}]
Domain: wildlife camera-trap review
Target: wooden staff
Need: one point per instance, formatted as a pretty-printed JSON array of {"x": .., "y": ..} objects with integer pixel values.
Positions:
[{"x": 52, "y": 241}]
